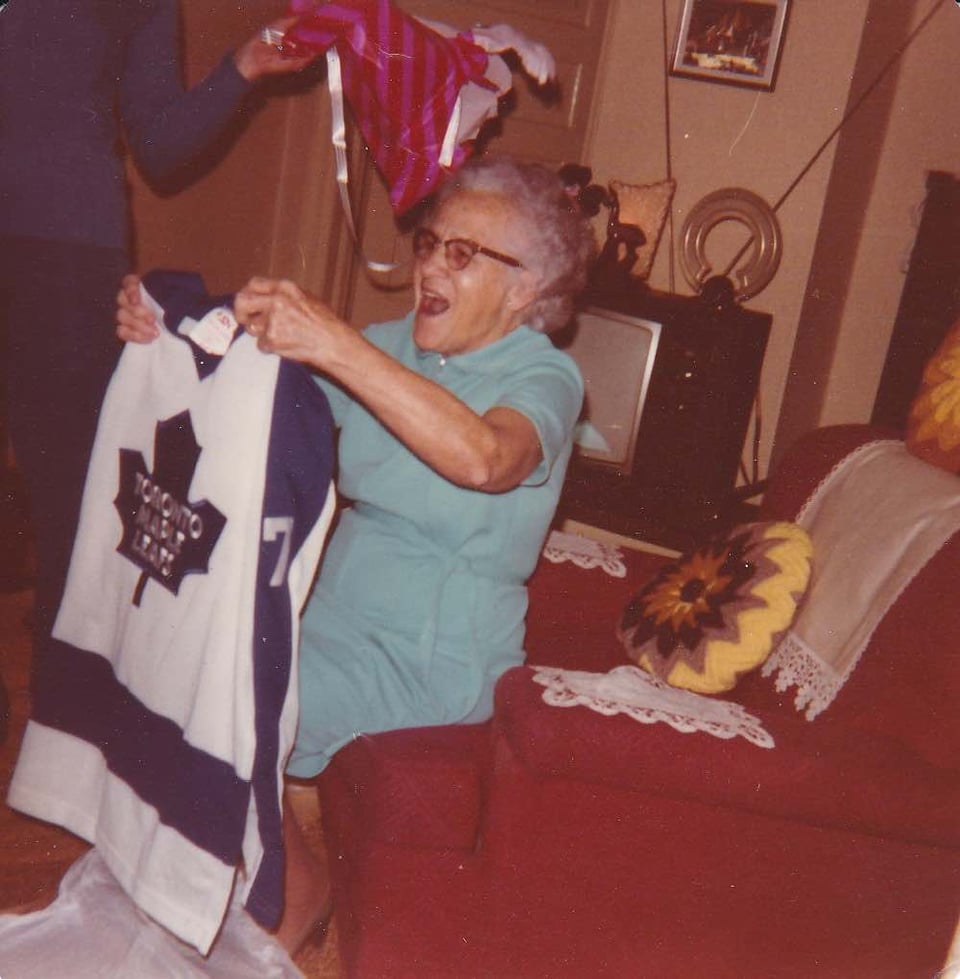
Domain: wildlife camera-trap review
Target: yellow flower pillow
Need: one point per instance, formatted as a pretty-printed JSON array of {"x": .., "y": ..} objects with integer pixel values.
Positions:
[
  {"x": 717, "y": 612},
  {"x": 933, "y": 426}
]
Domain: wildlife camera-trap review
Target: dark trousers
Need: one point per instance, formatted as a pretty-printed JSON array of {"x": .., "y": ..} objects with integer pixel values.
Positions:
[{"x": 57, "y": 314}]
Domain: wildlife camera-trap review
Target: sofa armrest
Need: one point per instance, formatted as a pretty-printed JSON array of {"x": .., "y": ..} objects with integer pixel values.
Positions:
[
  {"x": 808, "y": 461},
  {"x": 418, "y": 787},
  {"x": 907, "y": 684},
  {"x": 818, "y": 773}
]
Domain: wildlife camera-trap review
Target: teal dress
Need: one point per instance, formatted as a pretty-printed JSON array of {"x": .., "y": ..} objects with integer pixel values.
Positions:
[{"x": 421, "y": 598}]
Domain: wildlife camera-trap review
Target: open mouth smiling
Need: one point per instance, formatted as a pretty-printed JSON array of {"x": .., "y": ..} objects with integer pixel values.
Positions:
[{"x": 432, "y": 304}]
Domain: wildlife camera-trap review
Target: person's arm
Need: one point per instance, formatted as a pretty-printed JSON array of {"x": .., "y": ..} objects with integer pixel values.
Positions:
[
  {"x": 167, "y": 127},
  {"x": 136, "y": 322},
  {"x": 493, "y": 452}
]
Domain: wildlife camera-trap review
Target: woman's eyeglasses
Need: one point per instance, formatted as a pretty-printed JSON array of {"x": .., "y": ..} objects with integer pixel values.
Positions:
[{"x": 457, "y": 252}]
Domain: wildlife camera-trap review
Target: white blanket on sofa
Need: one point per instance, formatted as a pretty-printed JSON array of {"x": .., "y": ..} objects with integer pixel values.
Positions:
[{"x": 875, "y": 521}]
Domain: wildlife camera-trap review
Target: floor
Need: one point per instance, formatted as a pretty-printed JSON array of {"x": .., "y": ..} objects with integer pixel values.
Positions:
[{"x": 34, "y": 855}]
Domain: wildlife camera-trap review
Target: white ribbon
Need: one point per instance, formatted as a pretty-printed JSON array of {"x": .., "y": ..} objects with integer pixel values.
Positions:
[{"x": 338, "y": 135}]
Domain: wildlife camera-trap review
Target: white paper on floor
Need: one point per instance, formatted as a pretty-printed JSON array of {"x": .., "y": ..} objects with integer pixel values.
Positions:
[{"x": 94, "y": 931}]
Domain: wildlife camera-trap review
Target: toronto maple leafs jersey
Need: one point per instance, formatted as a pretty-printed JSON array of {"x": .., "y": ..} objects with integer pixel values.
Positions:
[{"x": 167, "y": 706}]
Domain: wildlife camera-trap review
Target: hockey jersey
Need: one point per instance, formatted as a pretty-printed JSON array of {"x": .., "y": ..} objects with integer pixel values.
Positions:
[{"x": 167, "y": 706}]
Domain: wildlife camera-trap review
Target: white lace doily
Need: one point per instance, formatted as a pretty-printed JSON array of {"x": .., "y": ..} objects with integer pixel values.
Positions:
[
  {"x": 634, "y": 692},
  {"x": 585, "y": 552}
]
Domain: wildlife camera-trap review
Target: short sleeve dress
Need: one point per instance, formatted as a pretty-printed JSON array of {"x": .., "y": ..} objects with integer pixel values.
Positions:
[{"x": 421, "y": 598}]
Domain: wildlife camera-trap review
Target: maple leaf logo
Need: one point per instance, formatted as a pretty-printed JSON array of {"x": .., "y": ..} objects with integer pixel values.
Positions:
[{"x": 164, "y": 534}]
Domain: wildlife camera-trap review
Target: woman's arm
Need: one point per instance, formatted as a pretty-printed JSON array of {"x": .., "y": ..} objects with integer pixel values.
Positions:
[
  {"x": 168, "y": 127},
  {"x": 493, "y": 452}
]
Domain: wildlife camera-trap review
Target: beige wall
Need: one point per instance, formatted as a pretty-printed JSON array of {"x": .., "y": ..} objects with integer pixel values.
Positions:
[
  {"x": 722, "y": 136},
  {"x": 923, "y": 134}
]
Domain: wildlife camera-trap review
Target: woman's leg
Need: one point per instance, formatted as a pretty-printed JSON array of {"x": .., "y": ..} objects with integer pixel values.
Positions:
[{"x": 307, "y": 897}]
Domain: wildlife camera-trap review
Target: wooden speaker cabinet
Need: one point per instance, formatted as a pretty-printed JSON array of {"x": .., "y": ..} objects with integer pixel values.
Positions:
[{"x": 694, "y": 416}]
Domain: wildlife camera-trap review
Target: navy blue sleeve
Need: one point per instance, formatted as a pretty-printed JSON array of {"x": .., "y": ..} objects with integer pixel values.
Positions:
[{"x": 165, "y": 125}]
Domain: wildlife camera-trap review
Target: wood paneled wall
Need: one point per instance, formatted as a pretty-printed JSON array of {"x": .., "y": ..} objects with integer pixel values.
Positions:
[{"x": 261, "y": 204}]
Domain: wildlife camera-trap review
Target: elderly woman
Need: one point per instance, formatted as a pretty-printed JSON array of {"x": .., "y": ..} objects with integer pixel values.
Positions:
[{"x": 456, "y": 427}]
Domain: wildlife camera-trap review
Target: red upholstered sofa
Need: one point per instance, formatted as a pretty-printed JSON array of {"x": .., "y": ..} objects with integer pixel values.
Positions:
[{"x": 558, "y": 842}]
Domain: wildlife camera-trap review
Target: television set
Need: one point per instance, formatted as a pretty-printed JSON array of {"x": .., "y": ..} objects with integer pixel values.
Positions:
[
  {"x": 615, "y": 353},
  {"x": 670, "y": 383}
]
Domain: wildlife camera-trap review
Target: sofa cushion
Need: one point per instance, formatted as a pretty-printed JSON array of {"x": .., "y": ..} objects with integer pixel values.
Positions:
[
  {"x": 717, "y": 611},
  {"x": 671, "y": 888},
  {"x": 824, "y": 773},
  {"x": 573, "y": 611},
  {"x": 933, "y": 425}
]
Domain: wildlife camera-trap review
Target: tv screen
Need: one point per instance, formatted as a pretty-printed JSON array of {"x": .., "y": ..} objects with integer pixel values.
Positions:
[{"x": 616, "y": 353}]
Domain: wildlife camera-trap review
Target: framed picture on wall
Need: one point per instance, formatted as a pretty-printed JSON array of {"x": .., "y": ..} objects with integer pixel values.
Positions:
[{"x": 731, "y": 41}]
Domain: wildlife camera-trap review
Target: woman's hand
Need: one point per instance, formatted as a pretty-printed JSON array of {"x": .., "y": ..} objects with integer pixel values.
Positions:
[
  {"x": 256, "y": 57},
  {"x": 287, "y": 321},
  {"x": 136, "y": 323}
]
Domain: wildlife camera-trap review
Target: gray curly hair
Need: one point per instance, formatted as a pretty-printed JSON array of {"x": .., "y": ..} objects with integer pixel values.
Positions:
[{"x": 561, "y": 242}]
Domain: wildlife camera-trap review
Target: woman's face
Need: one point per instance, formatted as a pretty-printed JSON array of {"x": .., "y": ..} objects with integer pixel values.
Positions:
[{"x": 459, "y": 311}]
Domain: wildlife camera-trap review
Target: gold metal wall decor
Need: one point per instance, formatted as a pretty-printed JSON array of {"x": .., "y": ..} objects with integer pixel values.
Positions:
[{"x": 761, "y": 254}]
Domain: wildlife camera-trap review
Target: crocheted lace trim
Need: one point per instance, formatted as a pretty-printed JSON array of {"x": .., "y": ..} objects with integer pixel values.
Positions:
[
  {"x": 585, "y": 552},
  {"x": 797, "y": 665},
  {"x": 793, "y": 661},
  {"x": 634, "y": 692}
]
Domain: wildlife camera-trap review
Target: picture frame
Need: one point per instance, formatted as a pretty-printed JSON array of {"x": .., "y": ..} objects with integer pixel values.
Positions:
[{"x": 733, "y": 42}]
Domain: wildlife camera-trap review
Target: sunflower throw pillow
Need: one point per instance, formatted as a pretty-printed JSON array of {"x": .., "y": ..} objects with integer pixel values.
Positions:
[
  {"x": 933, "y": 426},
  {"x": 716, "y": 612}
]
